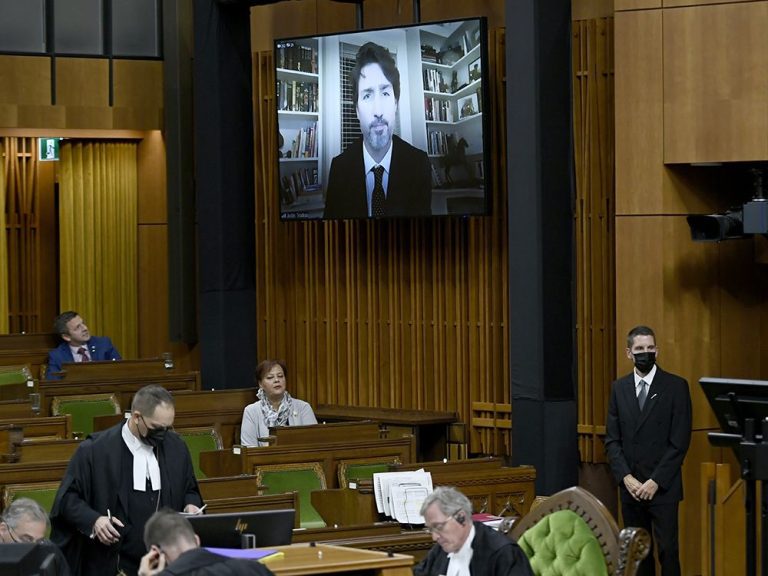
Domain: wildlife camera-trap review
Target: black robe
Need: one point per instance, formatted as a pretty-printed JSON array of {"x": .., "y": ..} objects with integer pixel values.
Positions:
[
  {"x": 493, "y": 554},
  {"x": 98, "y": 479}
]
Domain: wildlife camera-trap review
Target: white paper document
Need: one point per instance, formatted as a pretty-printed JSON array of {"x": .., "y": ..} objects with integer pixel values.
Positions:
[{"x": 399, "y": 495}]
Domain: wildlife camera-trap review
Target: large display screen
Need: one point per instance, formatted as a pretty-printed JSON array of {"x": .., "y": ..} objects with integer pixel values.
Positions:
[{"x": 386, "y": 123}]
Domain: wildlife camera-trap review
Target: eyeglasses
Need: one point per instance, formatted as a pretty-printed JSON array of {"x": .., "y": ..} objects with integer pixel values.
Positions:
[{"x": 440, "y": 526}]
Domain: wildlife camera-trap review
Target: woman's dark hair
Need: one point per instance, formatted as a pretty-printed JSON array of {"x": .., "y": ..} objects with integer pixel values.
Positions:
[{"x": 265, "y": 366}]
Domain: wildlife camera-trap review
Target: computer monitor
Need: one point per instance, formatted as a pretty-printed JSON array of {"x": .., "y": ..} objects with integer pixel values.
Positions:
[
  {"x": 245, "y": 529},
  {"x": 24, "y": 559},
  {"x": 734, "y": 401}
]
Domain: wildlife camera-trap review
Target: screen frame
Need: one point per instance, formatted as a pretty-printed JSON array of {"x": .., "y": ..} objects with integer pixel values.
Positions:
[
  {"x": 270, "y": 528},
  {"x": 734, "y": 400},
  {"x": 413, "y": 124}
]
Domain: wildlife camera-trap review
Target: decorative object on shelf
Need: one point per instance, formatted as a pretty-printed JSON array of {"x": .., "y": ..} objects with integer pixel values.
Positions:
[
  {"x": 456, "y": 156},
  {"x": 468, "y": 106},
  {"x": 474, "y": 71}
]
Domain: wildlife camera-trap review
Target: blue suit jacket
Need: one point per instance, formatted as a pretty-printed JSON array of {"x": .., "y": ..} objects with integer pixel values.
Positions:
[{"x": 99, "y": 348}]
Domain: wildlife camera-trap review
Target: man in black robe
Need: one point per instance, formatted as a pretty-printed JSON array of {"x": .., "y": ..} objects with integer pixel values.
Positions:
[
  {"x": 115, "y": 481},
  {"x": 474, "y": 548}
]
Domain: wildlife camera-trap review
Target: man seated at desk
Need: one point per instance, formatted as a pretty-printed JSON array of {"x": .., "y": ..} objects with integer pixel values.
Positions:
[
  {"x": 24, "y": 521},
  {"x": 463, "y": 547},
  {"x": 174, "y": 550},
  {"x": 78, "y": 345}
]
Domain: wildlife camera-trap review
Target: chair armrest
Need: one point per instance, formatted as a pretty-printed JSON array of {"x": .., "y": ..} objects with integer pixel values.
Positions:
[{"x": 634, "y": 545}]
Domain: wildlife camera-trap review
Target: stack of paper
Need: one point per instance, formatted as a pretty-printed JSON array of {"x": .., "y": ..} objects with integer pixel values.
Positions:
[{"x": 399, "y": 495}]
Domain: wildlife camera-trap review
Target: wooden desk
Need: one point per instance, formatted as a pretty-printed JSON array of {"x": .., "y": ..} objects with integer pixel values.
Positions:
[
  {"x": 429, "y": 427},
  {"x": 29, "y": 349},
  {"x": 101, "y": 369},
  {"x": 304, "y": 560}
]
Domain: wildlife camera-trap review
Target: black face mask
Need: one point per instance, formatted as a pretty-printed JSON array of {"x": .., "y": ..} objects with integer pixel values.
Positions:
[
  {"x": 154, "y": 436},
  {"x": 644, "y": 361}
]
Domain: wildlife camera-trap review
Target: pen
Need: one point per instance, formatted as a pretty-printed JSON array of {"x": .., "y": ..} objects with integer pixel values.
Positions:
[
  {"x": 109, "y": 515},
  {"x": 201, "y": 509}
]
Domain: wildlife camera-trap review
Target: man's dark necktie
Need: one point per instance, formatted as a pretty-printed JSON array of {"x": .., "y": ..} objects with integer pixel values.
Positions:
[
  {"x": 378, "y": 192},
  {"x": 643, "y": 394},
  {"x": 83, "y": 354}
]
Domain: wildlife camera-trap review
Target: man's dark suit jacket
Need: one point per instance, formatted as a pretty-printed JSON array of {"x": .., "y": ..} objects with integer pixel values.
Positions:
[
  {"x": 99, "y": 348},
  {"x": 201, "y": 562},
  {"x": 409, "y": 192},
  {"x": 651, "y": 443}
]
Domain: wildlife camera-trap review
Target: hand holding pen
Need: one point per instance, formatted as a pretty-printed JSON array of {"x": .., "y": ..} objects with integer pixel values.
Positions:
[{"x": 104, "y": 529}]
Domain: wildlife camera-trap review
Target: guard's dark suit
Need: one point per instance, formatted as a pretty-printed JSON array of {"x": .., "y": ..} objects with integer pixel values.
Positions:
[{"x": 651, "y": 444}]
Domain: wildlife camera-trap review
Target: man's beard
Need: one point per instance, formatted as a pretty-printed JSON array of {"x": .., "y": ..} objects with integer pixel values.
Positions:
[{"x": 378, "y": 140}]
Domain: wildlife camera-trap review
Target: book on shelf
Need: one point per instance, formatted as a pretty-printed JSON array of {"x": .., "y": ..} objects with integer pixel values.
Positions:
[
  {"x": 296, "y": 96},
  {"x": 294, "y": 56},
  {"x": 301, "y": 182},
  {"x": 304, "y": 145}
]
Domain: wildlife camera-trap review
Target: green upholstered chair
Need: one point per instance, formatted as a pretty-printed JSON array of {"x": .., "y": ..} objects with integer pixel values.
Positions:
[
  {"x": 15, "y": 374},
  {"x": 302, "y": 478},
  {"x": 41, "y": 492},
  {"x": 14, "y": 382},
  {"x": 83, "y": 408},
  {"x": 363, "y": 468},
  {"x": 200, "y": 440},
  {"x": 572, "y": 533}
]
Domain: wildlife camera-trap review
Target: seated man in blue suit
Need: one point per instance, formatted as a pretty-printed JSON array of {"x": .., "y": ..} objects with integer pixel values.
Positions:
[{"x": 78, "y": 345}]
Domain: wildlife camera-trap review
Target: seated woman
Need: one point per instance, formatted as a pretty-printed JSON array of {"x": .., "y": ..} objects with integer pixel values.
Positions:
[{"x": 275, "y": 407}]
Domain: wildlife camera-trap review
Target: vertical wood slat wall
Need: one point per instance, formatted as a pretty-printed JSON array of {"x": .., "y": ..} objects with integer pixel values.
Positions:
[
  {"x": 593, "y": 112},
  {"x": 409, "y": 314},
  {"x": 22, "y": 228}
]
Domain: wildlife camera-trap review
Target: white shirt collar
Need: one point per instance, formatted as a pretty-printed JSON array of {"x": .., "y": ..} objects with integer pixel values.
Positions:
[
  {"x": 648, "y": 377},
  {"x": 145, "y": 464},
  {"x": 77, "y": 356},
  {"x": 460, "y": 561},
  {"x": 369, "y": 162}
]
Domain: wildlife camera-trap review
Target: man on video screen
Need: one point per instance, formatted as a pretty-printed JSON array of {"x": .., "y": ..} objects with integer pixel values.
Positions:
[{"x": 380, "y": 175}]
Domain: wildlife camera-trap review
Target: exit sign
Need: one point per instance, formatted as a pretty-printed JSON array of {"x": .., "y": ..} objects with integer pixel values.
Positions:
[{"x": 48, "y": 149}]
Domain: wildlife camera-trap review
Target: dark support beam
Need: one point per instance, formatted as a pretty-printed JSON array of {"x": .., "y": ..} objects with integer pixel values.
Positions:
[
  {"x": 178, "y": 52},
  {"x": 226, "y": 237},
  {"x": 541, "y": 249}
]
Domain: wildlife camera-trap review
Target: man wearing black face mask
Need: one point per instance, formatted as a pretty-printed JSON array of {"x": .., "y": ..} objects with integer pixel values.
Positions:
[
  {"x": 116, "y": 480},
  {"x": 647, "y": 433}
]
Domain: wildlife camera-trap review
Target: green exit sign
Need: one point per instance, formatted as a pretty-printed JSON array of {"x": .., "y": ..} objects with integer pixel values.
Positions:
[{"x": 48, "y": 149}]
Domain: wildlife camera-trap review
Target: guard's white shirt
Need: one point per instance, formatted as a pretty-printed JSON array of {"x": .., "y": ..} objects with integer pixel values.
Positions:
[
  {"x": 648, "y": 379},
  {"x": 145, "y": 464},
  {"x": 458, "y": 563}
]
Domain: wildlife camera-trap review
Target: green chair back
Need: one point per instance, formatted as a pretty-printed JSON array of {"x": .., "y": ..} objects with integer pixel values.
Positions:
[
  {"x": 200, "y": 440},
  {"x": 84, "y": 408},
  {"x": 301, "y": 478},
  {"x": 563, "y": 544},
  {"x": 15, "y": 375},
  {"x": 361, "y": 471}
]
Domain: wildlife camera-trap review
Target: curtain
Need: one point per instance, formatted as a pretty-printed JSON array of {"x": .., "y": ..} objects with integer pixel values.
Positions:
[
  {"x": 3, "y": 246},
  {"x": 98, "y": 238}
]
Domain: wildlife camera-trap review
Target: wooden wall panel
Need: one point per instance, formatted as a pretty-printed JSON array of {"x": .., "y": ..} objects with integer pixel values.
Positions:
[
  {"x": 74, "y": 74},
  {"x": 152, "y": 179},
  {"x": 639, "y": 112},
  {"x": 138, "y": 84},
  {"x": 593, "y": 112},
  {"x": 716, "y": 83},
  {"x": 636, "y": 4},
  {"x": 25, "y": 80}
]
